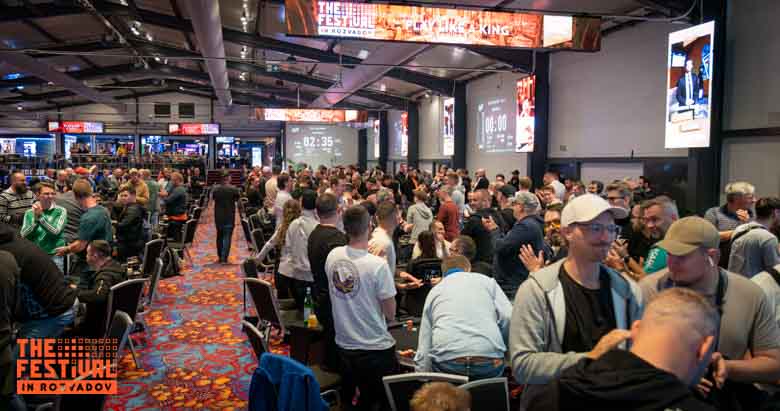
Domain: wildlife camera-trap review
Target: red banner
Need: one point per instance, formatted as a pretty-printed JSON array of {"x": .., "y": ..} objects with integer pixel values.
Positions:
[
  {"x": 310, "y": 115},
  {"x": 193, "y": 129},
  {"x": 75, "y": 127},
  {"x": 391, "y": 22}
]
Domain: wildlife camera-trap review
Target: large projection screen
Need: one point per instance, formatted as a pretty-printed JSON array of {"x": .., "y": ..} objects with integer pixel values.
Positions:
[
  {"x": 689, "y": 87},
  {"x": 319, "y": 144}
]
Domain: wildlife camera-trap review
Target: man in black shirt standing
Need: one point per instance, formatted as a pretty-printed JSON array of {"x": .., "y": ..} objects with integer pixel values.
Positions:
[
  {"x": 322, "y": 240},
  {"x": 225, "y": 197}
]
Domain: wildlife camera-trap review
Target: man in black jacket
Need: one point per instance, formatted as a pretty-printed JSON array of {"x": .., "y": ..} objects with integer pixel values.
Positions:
[
  {"x": 9, "y": 274},
  {"x": 672, "y": 347},
  {"x": 130, "y": 225},
  {"x": 46, "y": 301},
  {"x": 473, "y": 227},
  {"x": 225, "y": 197},
  {"x": 108, "y": 274}
]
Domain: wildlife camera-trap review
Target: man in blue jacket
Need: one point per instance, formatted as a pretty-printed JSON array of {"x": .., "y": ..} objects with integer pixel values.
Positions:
[{"x": 508, "y": 270}]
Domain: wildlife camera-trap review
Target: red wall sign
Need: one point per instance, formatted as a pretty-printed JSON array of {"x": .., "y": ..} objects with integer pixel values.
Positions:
[
  {"x": 75, "y": 127},
  {"x": 193, "y": 129}
]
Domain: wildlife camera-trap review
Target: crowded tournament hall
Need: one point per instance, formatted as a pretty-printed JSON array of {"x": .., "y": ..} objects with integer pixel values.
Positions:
[{"x": 311, "y": 205}]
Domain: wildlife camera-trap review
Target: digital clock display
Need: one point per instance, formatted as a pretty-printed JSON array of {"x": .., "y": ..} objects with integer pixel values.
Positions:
[
  {"x": 493, "y": 128},
  {"x": 319, "y": 144}
]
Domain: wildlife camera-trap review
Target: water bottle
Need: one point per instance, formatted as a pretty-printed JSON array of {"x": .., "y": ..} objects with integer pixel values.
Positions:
[{"x": 308, "y": 309}]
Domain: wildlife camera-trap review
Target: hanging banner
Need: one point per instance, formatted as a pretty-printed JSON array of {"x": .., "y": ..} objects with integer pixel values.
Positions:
[
  {"x": 193, "y": 129},
  {"x": 418, "y": 24},
  {"x": 448, "y": 126},
  {"x": 526, "y": 116},
  {"x": 76, "y": 127},
  {"x": 310, "y": 115},
  {"x": 375, "y": 128}
]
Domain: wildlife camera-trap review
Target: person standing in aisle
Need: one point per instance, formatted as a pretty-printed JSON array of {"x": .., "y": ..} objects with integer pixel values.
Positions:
[{"x": 225, "y": 197}]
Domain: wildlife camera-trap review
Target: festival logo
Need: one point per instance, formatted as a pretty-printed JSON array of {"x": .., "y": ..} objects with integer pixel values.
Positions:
[{"x": 66, "y": 366}]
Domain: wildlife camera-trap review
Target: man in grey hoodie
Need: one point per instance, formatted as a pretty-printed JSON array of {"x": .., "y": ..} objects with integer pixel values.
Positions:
[
  {"x": 575, "y": 308},
  {"x": 418, "y": 217}
]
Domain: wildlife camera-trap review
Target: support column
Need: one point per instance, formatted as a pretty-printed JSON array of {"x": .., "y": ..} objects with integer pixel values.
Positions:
[
  {"x": 413, "y": 152},
  {"x": 704, "y": 164},
  {"x": 384, "y": 132},
  {"x": 278, "y": 147},
  {"x": 363, "y": 148},
  {"x": 537, "y": 160},
  {"x": 461, "y": 127}
]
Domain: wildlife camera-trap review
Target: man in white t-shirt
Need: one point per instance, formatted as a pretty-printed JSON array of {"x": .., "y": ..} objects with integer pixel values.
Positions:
[
  {"x": 284, "y": 185},
  {"x": 362, "y": 295},
  {"x": 381, "y": 243}
]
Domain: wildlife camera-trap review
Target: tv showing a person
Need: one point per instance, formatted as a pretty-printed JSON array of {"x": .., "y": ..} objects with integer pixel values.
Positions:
[{"x": 689, "y": 89}]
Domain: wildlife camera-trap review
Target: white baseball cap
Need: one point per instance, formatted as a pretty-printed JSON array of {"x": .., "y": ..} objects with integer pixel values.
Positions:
[{"x": 586, "y": 208}]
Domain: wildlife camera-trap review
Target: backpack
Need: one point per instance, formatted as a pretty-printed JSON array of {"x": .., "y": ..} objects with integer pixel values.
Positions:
[{"x": 171, "y": 263}]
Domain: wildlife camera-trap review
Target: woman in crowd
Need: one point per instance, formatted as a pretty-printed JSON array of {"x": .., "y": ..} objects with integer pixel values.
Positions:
[{"x": 291, "y": 211}]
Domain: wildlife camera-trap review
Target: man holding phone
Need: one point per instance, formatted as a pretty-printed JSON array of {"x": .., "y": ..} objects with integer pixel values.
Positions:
[{"x": 44, "y": 223}]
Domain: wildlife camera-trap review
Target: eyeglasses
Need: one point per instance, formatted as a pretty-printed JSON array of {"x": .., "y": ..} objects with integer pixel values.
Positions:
[{"x": 597, "y": 230}]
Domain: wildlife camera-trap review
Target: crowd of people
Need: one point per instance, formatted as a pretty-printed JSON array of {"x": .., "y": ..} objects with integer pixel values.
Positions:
[
  {"x": 65, "y": 234},
  {"x": 597, "y": 293}
]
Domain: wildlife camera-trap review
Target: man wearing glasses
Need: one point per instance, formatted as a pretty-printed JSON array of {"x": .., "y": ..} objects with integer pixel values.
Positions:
[{"x": 577, "y": 307}]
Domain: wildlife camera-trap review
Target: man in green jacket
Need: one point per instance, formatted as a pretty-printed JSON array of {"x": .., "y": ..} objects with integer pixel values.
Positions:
[{"x": 44, "y": 223}]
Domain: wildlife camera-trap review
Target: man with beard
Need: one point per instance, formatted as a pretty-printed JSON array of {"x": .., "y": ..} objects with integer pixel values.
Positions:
[
  {"x": 672, "y": 347},
  {"x": 15, "y": 201},
  {"x": 748, "y": 337},
  {"x": 555, "y": 246},
  {"x": 576, "y": 308},
  {"x": 659, "y": 214}
]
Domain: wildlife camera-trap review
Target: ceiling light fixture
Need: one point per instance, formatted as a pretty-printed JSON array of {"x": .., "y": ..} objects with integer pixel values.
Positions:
[
  {"x": 362, "y": 54},
  {"x": 383, "y": 87},
  {"x": 149, "y": 37},
  {"x": 135, "y": 31},
  {"x": 19, "y": 107}
]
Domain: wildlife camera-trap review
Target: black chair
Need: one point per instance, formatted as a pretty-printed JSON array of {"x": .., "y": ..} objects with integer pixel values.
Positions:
[
  {"x": 182, "y": 247},
  {"x": 148, "y": 298},
  {"x": 126, "y": 297},
  {"x": 259, "y": 345},
  {"x": 424, "y": 269},
  {"x": 491, "y": 394},
  {"x": 249, "y": 270},
  {"x": 196, "y": 213},
  {"x": 401, "y": 388},
  {"x": 269, "y": 313},
  {"x": 248, "y": 235},
  {"x": 152, "y": 251}
]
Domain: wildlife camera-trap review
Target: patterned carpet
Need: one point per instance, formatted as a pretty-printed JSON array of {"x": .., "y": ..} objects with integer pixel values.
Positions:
[{"x": 193, "y": 354}]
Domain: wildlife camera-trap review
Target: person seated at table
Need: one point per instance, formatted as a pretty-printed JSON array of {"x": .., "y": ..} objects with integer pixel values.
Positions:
[
  {"x": 108, "y": 273},
  {"x": 422, "y": 272},
  {"x": 175, "y": 205},
  {"x": 440, "y": 396},
  {"x": 129, "y": 225},
  {"x": 442, "y": 246},
  {"x": 464, "y": 328}
]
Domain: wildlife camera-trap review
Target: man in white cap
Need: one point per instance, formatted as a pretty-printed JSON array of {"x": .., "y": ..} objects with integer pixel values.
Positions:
[
  {"x": 577, "y": 307},
  {"x": 749, "y": 338}
]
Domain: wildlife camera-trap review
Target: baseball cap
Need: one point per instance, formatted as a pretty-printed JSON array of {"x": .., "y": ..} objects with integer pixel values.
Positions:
[
  {"x": 508, "y": 190},
  {"x": 687, "y": 234},
  {"x": 81, "y": 170},
  {"x": 587, "y": 207},
  {"x": 526, "y": 199}
]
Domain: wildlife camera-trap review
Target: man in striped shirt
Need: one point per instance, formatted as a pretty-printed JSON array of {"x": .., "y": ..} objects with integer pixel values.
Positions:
[
  {"x": 44, "y": 223},
  {"x": 15, "y": 201}
]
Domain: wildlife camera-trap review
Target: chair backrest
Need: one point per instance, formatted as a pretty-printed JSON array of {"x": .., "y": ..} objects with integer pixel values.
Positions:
[
  {"x": 489, "y": 394},
  {"x": 196, "y": 213},
  {"x": 249, "y": 268},
  {"x": 125, "y": 296},
  {"x": 265, "y": 302},
  {"x": 255, "y": 222},
  {"x": 189, "y": 234},
  {"x": 259, "y": 345},
  {"x": 427, "y": 268},
  {"x": 258, "y": 239},
  {"x": 121, "y": 325},
  {"x": 153, "y": 280},
  {"x": 401, "y": 388},
  {"x": 247, "y": 233},
  {"x": 152, "y": 251}
]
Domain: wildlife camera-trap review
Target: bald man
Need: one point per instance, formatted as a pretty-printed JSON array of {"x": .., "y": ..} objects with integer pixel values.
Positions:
[{"x": 672, "y": 347}]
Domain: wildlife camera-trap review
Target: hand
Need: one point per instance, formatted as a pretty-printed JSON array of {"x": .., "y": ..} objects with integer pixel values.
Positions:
[
  {"x": 61, "y": 251},
  {"x": 620, "y": 246},
  {"x": 406, "y": 353},
  {"x": 743, "y": 215},
  {"x": 608, "y": 342},
  {"x": 410, "y": 281},
  {"x": 489, "y": 223},
  {"x": 377, "y": 250},
  {"x": 531, "y": 262},
  {"x": 721, "y": 372},
  {"x": 614, "y": 261},
  {"x": 37, "y": 209}
]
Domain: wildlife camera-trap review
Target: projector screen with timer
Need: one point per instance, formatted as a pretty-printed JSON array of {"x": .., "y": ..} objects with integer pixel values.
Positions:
[{"x": 318, "y": 144}]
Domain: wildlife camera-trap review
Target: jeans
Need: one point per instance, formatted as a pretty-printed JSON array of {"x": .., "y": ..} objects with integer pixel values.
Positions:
[
  {"x": 224, "y": 236},
  {"x": 59, "y": 261},
  {"x": 154, "y": 218},
  {"x": 366, "y": 368},
  {"x": 479, "y": 371},
  {"x": 51, "y": 327}
]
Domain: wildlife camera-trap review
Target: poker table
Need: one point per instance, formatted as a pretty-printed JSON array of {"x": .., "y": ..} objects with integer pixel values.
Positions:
[{"x": 405, "y": 339}]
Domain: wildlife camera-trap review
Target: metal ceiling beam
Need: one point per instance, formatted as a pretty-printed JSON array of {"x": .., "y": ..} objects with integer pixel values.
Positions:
[
  {"x": 518, "y": 59},
  {"x": 207, "y": 25},
  {"x": 85, "y": 74},
  {"x": 29, "y": 65},
  {"x": 362, "y": 76}
]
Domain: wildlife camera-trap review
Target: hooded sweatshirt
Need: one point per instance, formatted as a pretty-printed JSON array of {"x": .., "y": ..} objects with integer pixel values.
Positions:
[
  {"x": 508, "y": 270},
  {"x": 618, "y": 380},
  {"x": 96, "y": 297},
  {"x": 420, "y": 217},
  {"x": 38, "y": 273}
]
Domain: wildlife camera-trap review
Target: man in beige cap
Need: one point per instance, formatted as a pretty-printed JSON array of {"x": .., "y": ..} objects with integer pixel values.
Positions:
[
  {"x": 141, "y": 190},
  {"x": 576, "y": 308},
  {"x": 749, "y": 338}
]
